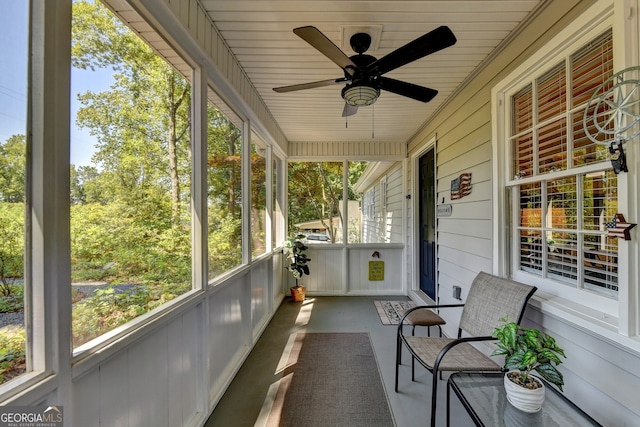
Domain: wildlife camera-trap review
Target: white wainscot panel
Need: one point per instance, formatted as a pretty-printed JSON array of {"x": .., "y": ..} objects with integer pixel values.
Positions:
[
  {"x": 148, "y": 385},
  {"x": 326, "y": 270},
  {"x": 229, "y": 331},
  {"x": 114, "y": 391},
  {"x": 87, "y": 400},
  {"x": 154, "y": 381},
  {"x": 183, "y": 347},
  {"x": 359, "y": 282},
  {"x": 279, "y": 278},
  {"x": 260, "y": 275}
]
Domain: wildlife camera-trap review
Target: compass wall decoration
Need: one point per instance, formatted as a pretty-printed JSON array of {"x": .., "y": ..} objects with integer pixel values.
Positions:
[{"x": 612, "y": 115}]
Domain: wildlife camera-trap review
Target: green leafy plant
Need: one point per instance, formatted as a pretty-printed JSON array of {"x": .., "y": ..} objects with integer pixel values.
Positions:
[
  {"x": 14, "y": 301},
  {"x": 294, "y": 250},
  {"x": 11, "y": 247},
  {"x": 12, "y": 352},
  {"x": 110, "y": 307},
  {"x": 527, "y": 350}
]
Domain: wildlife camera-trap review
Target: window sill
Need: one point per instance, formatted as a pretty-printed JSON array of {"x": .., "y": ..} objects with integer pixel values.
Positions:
[
  {"x": 30, "y": 386},
  {"x": 598, "y": 324}
]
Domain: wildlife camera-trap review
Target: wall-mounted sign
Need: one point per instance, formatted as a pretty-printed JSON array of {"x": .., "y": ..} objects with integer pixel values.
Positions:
[
  {"x": 461, "y": 186},
  {"x": 376, "y": 270},
  {"x": 444, "y": 210}
]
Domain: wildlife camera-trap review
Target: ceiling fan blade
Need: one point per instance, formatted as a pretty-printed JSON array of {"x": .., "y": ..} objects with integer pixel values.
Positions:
[
  {"x": 349, "y": 110},
  {"x": 427, "y": 44},
  {"x": 310, "y": 85},
  {"x": 419, "y": 93},
  {"x": 315, "y": 38}
]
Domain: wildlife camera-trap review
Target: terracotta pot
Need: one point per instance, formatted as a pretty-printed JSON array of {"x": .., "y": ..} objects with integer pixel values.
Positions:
[
  {"x": 523, "y": 398},
  {"x": 298, "y": 293}
]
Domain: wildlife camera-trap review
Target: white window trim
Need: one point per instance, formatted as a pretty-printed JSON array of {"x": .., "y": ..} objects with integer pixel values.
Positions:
[{"x": 615, "y": 320}]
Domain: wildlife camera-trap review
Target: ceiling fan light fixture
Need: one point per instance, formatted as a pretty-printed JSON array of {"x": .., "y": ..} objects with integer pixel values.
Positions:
[{"x": 360, "y": 95}]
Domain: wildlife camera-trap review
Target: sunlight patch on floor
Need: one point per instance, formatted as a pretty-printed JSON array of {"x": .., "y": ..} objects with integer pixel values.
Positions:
[{"x": 305, "y": 312}]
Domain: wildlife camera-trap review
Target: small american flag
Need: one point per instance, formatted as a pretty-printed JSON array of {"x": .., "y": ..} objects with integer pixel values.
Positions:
[
  {"x": 461, "y": 186},
  {"x": 611, "y": 224},
  {"x": 619, "y": 227}
]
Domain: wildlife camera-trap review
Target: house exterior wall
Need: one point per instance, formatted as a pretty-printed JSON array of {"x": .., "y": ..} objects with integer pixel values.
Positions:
[
  {"x": 383, "y": 208},
  {"x": 600, "y": 375}
]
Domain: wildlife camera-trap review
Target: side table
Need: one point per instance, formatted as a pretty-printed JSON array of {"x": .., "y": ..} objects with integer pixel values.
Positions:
[{"x": 484, "y": 398}]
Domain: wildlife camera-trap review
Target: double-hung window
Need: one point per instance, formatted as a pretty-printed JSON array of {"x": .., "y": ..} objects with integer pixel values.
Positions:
[
  {"x": 556, "y": 192},
  {"x": 563, "y": 189}
]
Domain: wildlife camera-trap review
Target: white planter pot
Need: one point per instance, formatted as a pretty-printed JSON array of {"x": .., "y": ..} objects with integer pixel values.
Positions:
[{"x": 525, "y": 399}]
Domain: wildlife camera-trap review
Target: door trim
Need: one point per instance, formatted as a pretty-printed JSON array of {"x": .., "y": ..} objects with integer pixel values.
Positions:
[{"x": 414, "y": 283}]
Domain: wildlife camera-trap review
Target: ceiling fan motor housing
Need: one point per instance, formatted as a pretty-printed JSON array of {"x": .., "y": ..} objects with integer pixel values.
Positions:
[{"x": 360, "y": 42}]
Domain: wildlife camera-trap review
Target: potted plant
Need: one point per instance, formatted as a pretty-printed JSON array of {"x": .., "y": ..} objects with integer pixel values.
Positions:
[
  {"x": 527, "y": 350},
  {"x": 294, "y": 250}
]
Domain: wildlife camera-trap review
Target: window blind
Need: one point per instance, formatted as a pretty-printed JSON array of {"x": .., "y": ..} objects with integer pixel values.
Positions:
[{"x": 561, "y": 228}]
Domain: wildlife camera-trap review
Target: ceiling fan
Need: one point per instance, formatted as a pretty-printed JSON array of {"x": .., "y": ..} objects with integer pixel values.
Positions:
[{"x": 363, "y": 73}]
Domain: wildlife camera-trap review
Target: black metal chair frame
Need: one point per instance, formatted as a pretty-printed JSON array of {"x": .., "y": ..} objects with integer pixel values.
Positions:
[{"x": 459, "y": 340}]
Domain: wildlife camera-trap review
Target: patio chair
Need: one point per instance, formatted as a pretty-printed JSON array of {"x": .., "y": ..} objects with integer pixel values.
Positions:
[{"x": 490, "y": 298}]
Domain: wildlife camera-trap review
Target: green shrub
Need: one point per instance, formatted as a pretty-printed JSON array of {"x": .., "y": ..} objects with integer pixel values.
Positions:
[
  {"x": 12, "y": 352},
  {"x": 111, "y": 307},
  {"x": 11, "y": 245},
  {"x": 14, "y": 301}
]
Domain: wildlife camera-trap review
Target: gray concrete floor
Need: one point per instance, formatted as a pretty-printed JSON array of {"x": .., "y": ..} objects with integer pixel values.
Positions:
[{"x": 243, "y": 401}]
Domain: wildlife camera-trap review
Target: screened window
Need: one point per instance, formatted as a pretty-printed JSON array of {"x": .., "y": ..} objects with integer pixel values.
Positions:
[
  {"x": 315, "y": 198},
  {"x": 130, "y": 174},
  {"x": 278, "y": 197},
  {"x": 258, "y": 196},
  {"x": 563, "y": 186},
  {"x": 224, "y": 187},
  {"x": 13, "y": 129}
]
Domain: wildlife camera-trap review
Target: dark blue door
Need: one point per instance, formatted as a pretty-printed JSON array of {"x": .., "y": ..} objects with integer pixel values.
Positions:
[{"x": 427, "y": 225}]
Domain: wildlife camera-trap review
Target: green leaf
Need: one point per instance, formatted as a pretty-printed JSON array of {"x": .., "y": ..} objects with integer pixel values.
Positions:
[
  {"x": 548, "y": 355},
  {"x": 513, "y": 362},
  {"x": 551, "y": 374},
  {"x": 530, "y": 358}
]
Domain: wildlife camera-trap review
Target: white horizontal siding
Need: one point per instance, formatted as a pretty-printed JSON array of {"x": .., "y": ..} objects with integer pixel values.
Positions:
[
  {"x": 394, "y": 221},
  {"x": 332, "y": 151}
]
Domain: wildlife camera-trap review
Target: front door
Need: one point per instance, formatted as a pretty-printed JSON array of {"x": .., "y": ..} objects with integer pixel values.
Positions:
[{"x": 427, "y": 223}]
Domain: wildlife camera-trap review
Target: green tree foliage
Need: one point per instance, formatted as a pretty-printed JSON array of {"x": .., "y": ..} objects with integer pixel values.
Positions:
[
  {"x": 258, "y": 201},
  {"x": 130, "y": 213},
  {"x": 142, "y": 123},
  {"x": 11, "y": 245},
  {"x": 224, "y": 146},
  {"x": 12, "y": 353},
  {"x": 315, "y": 193},
  {"x": 12, "y": 169}
]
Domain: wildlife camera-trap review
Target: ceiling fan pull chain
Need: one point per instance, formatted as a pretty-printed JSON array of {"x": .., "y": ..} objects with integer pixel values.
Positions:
[{"x": 346, "y": 122}]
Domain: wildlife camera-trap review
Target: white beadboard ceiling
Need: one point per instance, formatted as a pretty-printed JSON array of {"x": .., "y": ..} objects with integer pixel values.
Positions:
[{"x": 259, "y": 33}]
